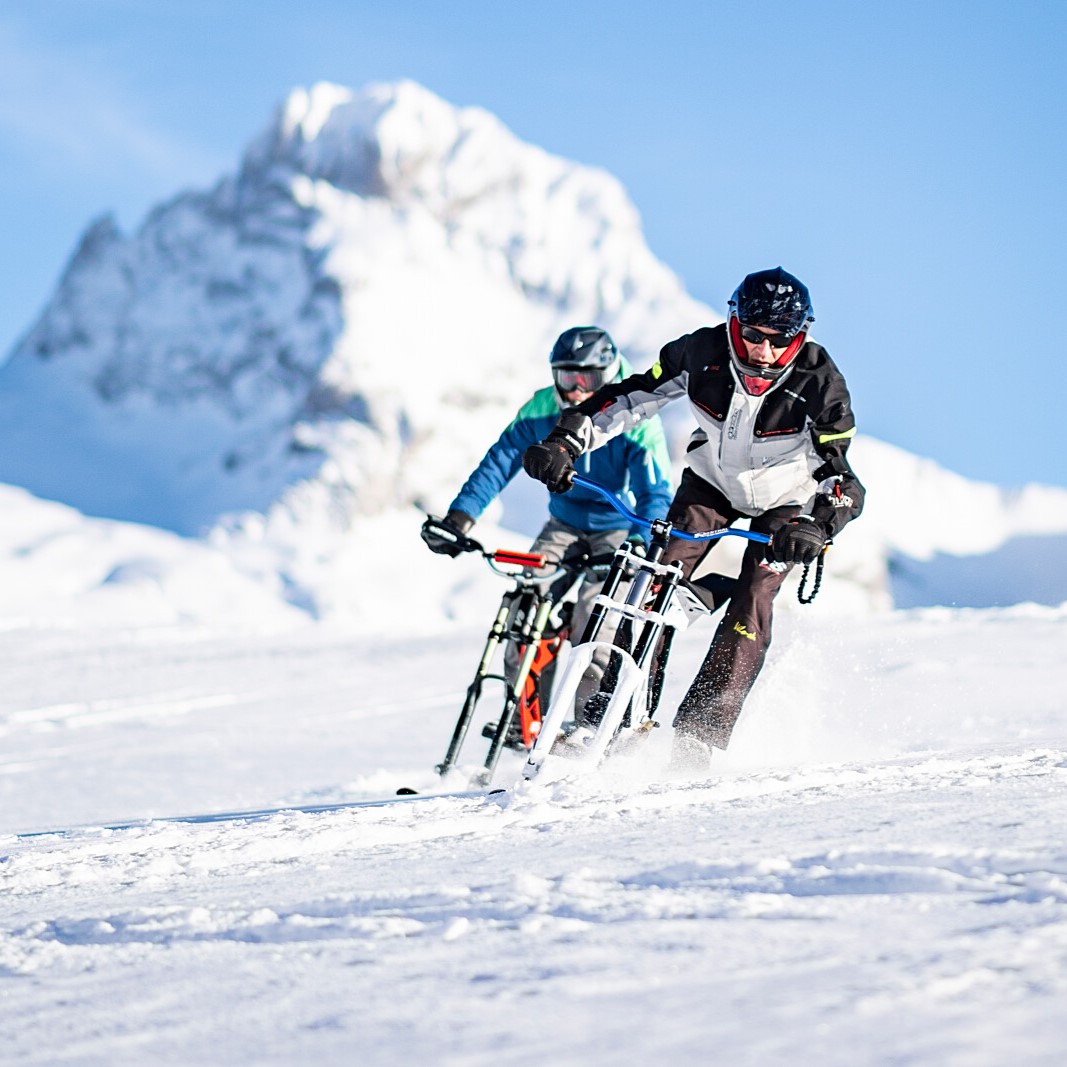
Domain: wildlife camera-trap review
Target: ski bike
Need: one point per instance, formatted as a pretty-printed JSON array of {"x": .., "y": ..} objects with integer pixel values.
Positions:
[
  {"x": 657, "y": 602},
  {"x": 533, "y": 620}
]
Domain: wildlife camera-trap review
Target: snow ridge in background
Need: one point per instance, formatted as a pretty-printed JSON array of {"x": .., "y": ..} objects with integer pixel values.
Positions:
[{"x": 291, "y": 367}]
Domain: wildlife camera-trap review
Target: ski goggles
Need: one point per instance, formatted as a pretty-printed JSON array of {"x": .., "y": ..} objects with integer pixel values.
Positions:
[
  {"x": 588, "y": 379},
  {"x": 757, "y": 337}
]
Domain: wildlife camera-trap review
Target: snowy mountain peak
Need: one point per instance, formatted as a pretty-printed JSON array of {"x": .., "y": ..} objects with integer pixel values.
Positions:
[
  {"x": 397, "y": 140},
  {"x": 307, "y": 110},
  {"x": 529, "y": 211},
  {"x": 337, "y": 329},
  {"x": 326, "y": 342}
]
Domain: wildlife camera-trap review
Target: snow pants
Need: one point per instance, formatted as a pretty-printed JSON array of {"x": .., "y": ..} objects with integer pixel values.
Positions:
[{"x": 713, "y": 703}]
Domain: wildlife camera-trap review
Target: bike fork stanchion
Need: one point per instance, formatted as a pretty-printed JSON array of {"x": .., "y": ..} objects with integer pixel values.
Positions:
[
  {"x": 624, "y": 684},
  {"x": 629, "y": 690},
  {"x": 474, "y": 690},
  {"x": 651, "y": 630},
  {"x": 647, "y": 569},
  {"x": 623, "y": 638},
  {"x": 629, "y": 686},
  {"x": 607, "y": 592},
  {"x": 533, "y": 629},
  {"x": 659, "y": 671}
]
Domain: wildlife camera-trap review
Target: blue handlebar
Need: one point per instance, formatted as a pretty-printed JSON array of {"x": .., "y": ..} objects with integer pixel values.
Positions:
[{"x": 622, "y": 509}]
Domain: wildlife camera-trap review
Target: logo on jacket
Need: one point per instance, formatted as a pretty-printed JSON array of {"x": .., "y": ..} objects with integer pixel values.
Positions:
[{"x": 739, "y": 628}]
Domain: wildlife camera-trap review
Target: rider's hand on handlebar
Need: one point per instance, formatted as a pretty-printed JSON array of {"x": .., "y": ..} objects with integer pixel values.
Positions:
[
  {"x": 552, "y": 460},
  {"x": 447, "y": 536},
  {"x": 799, "y": 541},
  {"x": 550, "y": 463}
]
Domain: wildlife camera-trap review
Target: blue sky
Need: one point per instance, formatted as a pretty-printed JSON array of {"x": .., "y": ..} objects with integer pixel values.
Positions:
[{"x": 904, "y": 159}]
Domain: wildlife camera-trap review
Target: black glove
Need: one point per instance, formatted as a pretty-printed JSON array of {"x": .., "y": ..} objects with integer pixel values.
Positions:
[
  {"x": 552, "y": 460},
  {"x": 447, "y": 536},
  {"x": 551, "y": 464},
  {"x": 799, "y": 541}
]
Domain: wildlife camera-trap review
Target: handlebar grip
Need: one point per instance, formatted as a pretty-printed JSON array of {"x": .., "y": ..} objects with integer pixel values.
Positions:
[{"x": 519, "y": 559}]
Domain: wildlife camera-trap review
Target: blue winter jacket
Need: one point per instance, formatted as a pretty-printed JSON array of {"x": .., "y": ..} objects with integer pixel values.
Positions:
[{"x": 635, "y": 465}]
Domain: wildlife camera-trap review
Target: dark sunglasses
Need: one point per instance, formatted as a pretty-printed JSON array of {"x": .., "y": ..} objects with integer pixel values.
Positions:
[
  {"x": 757, "y": 337},
  {"x": 587, "y": 379}
]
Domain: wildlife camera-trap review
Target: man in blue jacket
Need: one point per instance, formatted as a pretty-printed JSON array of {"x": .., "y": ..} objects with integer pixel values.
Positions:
[{"x": 634, "y": 465}]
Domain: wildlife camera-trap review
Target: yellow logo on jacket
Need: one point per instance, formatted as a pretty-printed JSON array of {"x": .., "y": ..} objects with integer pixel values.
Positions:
[{"x": 740, "y": 629}]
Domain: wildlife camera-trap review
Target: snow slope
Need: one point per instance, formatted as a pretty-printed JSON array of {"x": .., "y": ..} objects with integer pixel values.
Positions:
[{"x": 876, "y": 874}]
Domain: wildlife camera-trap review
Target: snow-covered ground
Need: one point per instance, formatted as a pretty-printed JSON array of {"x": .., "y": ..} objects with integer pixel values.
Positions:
[{"x": 877, "y": 872}]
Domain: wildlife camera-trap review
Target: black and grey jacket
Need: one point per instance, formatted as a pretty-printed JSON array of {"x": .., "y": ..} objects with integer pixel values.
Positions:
[{"x": 785, "y": 447}]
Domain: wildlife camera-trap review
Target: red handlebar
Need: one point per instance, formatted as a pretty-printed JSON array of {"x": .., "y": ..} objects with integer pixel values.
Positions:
[{"x": 519, "y": 559}]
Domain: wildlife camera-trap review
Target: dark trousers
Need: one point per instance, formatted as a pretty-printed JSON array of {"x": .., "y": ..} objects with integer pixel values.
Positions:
[{"x": 713, "y": 704}]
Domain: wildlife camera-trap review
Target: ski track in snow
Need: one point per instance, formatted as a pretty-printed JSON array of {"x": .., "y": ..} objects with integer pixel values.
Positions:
[{"x": 907, "y": 904}]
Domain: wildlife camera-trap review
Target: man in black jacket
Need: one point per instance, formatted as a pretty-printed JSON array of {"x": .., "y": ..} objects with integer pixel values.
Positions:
[{"x": 774, "y": 421}]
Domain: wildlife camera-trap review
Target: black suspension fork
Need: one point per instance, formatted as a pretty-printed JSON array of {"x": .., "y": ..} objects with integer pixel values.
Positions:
[
  {"x": 650, "y": 635},
  {"x": 597, "y": 702},
  {"x": 659, "y": 671},
  {"x": 608, "y": 589},
  {"x": 474, "y": 690},
  {"x": 661, "y": 532},
  {"x": 651, "y": 629}
]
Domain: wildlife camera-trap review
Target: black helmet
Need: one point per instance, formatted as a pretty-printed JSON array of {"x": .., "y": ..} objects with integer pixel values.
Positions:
[
  {"x": 585, "y": 357},
  {"x": 776, "y": 300}
]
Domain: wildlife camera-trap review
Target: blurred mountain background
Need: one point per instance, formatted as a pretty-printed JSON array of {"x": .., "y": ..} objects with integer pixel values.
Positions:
[{"x": 254, "y": 398}]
